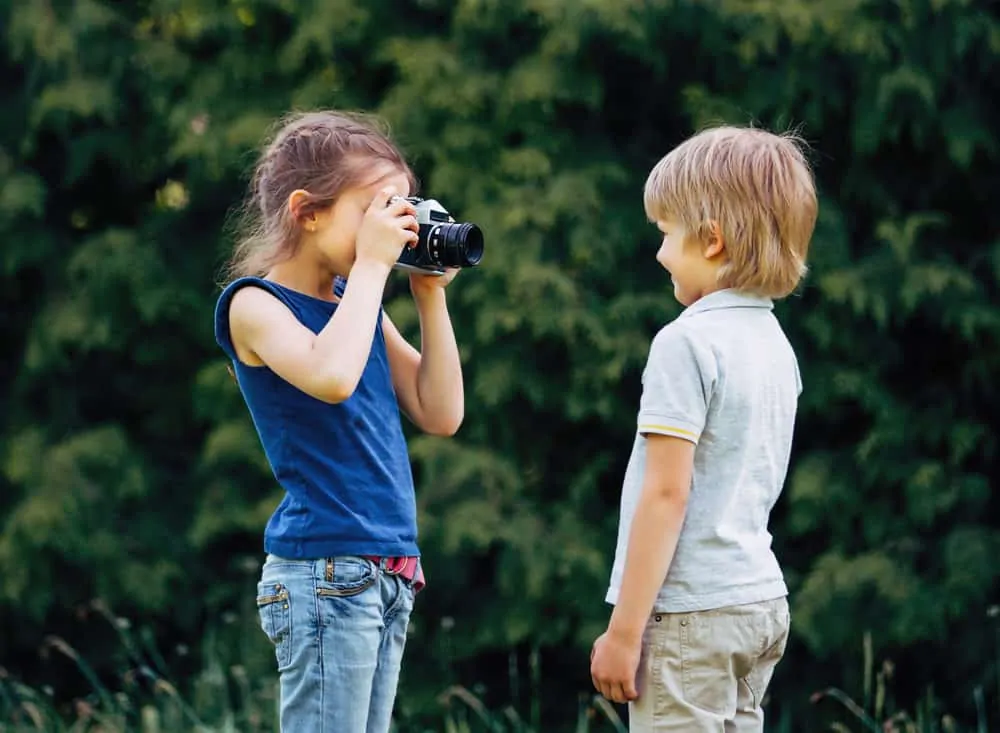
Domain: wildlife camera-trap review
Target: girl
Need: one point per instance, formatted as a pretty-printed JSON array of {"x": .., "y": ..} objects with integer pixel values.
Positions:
[{"x": 321, "y": 368}]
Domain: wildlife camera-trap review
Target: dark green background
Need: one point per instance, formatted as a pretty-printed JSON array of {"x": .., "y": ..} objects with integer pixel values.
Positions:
[{"x": 130, "y": 471}]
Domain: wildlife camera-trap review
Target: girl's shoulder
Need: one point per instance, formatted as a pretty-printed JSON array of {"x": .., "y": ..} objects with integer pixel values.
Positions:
[{"x": 223, "y": 335}]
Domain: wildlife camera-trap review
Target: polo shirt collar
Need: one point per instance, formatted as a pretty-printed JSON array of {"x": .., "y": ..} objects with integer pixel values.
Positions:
[{"x": 727, "y": 298}]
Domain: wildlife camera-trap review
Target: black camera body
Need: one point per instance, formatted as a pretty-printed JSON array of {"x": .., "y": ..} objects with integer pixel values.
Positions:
[{"x": 443, "y": 242}]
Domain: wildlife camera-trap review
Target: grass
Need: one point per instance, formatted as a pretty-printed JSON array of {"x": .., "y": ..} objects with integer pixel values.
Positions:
[
  {"x": 874, "y": 714},
  {"x": 225, "y": 696},
  {"x": 231, "y": 697}
]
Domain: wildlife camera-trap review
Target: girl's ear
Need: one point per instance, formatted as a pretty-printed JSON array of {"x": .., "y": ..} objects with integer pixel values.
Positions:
[{"x": 297, "y": 203}]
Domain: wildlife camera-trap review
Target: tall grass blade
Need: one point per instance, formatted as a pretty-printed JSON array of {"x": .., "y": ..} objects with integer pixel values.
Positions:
[
  {"x": 610, "y": 713},
  {"x": 850, "y": 706},
  {"x": 980, "y": 699},
  {"x": 869, "y": 667}
]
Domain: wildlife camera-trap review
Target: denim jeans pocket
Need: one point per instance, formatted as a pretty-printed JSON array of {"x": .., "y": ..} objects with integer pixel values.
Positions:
[
  {"x": 273, "y": 605},
  {"x": 347, "y": 576}
]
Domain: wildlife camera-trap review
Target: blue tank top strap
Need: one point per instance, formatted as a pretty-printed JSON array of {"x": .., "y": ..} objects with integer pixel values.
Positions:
[
  {"x": 339, "y": 285},
  {"x": 222, "y": 335}
]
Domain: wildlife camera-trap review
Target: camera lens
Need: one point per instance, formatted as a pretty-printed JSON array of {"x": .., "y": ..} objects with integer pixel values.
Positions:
[{"x": 456, "y": 245}]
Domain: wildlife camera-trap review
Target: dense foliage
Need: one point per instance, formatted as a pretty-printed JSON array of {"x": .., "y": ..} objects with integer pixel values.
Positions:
[{"x": 130, "y": 471}]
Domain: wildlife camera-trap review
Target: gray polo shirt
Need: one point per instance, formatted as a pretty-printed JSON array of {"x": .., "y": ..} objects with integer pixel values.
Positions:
[{"x": 723, "y": 376}]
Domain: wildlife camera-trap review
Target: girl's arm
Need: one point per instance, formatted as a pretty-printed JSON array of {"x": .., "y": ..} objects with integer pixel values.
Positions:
[
  {"x": 428, "y": 383},
  {"x": 327, "y": 365}
]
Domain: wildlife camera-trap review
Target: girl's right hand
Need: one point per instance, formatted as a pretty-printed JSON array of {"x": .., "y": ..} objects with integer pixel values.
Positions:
[{"x": 386, "y": 229}]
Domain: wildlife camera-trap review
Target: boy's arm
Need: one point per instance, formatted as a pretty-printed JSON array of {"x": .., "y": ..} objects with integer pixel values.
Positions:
[
  {"x": 656, "y": 528},
  {"x": 678, "y": 383},
  {"x": 428, "y": 382},
  {"x": 652, "y": 540}
]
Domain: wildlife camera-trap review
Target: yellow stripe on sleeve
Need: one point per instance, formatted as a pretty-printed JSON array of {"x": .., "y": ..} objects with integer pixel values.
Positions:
[{"x": 668, "y": 429}]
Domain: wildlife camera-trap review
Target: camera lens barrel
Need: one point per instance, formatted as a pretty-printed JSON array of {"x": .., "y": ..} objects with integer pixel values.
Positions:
[{"x": 455, "y": 245}]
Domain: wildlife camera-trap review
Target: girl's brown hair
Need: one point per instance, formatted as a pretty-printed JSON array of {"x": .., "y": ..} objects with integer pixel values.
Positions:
[{"x": 323, "y": 153}]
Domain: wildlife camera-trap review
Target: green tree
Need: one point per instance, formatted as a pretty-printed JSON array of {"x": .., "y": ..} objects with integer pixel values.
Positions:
[{"x": 130, "y": 468}]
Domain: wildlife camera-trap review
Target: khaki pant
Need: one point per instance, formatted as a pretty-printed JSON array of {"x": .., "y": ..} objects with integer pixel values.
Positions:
[{"x": 706, "y": 672}]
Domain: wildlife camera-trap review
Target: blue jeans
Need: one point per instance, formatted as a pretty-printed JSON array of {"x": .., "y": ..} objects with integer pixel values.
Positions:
[{"x": 339, "y": 628}]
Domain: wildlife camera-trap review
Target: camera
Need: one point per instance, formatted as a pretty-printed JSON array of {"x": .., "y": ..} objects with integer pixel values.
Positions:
[{"x": 442, "y": 242}]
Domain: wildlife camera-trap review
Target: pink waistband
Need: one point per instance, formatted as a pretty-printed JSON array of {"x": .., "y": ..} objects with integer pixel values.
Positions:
[{"x": 405, "y": 567}]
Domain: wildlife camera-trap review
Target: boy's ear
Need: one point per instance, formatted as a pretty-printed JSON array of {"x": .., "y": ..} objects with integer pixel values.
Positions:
[{"x": 715, "y": 244}]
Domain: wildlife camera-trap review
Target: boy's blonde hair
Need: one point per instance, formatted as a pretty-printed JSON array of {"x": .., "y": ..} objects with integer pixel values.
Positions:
[{"x": 758, "y": 188}]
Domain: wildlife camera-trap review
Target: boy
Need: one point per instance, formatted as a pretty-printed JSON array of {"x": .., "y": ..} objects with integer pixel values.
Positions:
[{"x": 700, "y": 614}]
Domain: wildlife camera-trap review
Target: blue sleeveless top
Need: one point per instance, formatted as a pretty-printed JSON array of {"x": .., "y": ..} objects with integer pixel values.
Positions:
[{"x": 344, "y": 467}]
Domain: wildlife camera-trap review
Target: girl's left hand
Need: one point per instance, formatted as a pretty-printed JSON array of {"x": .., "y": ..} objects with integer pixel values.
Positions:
[{"x": 424, "y": 285}]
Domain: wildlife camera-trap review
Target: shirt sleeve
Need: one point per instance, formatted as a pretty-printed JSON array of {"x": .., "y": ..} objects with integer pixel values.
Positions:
[{"x": 677, "y": 386}]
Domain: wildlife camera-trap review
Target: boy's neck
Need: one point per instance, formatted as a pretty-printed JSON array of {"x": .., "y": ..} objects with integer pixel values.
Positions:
[
  {"x": 705, "y": 292},
  {"x": 709, "y": 283}
]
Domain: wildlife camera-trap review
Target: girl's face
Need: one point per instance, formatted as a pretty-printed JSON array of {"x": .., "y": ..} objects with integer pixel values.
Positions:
[{"x": 336, "y": 230}]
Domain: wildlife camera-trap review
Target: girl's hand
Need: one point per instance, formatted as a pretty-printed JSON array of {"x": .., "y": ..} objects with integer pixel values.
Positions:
[
  {"x": 426, "y": 286},
  {"x": 386, "y": 229}
]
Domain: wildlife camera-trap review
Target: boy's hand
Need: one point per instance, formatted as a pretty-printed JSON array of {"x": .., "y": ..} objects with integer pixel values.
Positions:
[
  {"x": 614, "y": 664},
  {"x": 423, "y": 286}
]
